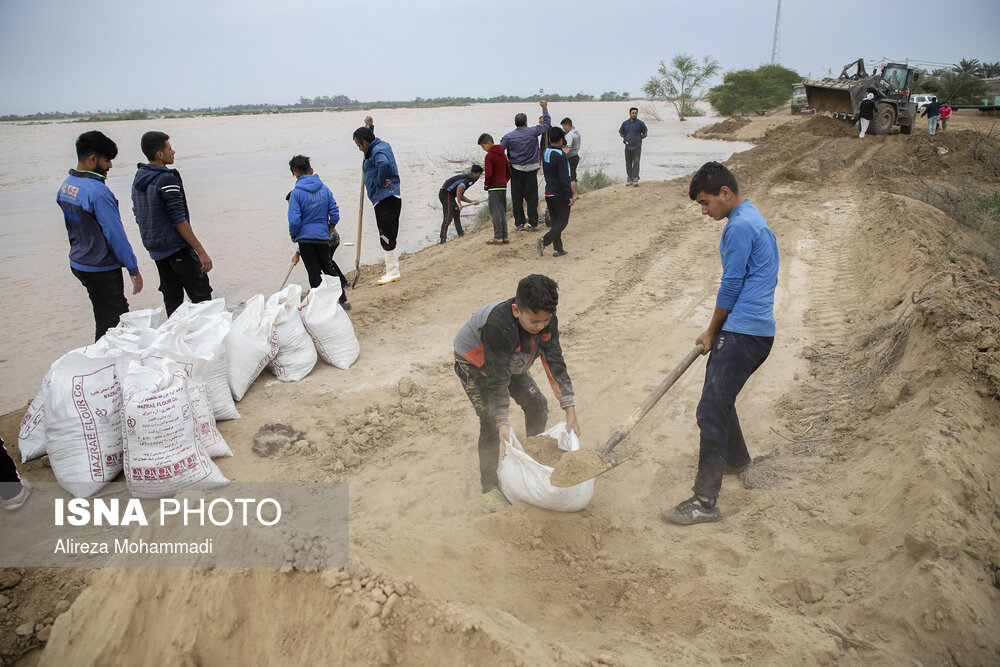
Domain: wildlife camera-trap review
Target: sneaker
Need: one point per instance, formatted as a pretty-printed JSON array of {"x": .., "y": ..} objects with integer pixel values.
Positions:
[
  {"x": 518, "y": 228},
  {"x": 494, "y": 500},
  {"x": 443, "y": 241},
  {"x": 18, "y": 501},
  {"x": 345, "y": 304},
  {"x": 529, "y": 228},
  {"x": 506, "y": 240},
  {"x": 559, "y": 253},
  {"x": 692, "y": 511},
  {"x": 495, "y": 242},
  {"x": 540, "y": 243}
]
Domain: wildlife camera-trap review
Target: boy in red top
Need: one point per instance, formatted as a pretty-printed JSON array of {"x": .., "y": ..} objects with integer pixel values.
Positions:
[{"x": 497, "y": 176}]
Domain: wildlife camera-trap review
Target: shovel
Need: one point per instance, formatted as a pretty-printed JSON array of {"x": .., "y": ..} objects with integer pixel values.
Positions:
[{"x": 578, "y": 469}]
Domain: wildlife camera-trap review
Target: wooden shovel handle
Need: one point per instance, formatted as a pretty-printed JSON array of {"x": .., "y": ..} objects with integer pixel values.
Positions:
[
  {"x": 652, "y": 399},
  {"x": 361, "y": 214}
]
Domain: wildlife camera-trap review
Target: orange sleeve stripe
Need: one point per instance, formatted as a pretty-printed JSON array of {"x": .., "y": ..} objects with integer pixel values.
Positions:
[
  {"x": 475, "y": 356},
  {"x": 552, "y": 380}
]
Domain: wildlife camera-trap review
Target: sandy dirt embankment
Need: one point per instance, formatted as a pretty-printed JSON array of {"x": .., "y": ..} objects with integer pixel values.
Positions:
[{"x": 870, "y": 535}]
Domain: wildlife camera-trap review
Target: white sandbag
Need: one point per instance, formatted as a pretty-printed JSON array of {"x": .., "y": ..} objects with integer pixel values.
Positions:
[
  {"x": 203, "y": 328},
  {"x": 328, "y": 324},
  {"x": 141, "y": 319},
  {"x": 251, "y": 345},
  {"x": 296, "y": 353},
  {"x": 163, "y": 451},
  {"x": 522, "y": 478},
  {"x": 31, "y": 439},
  {"x": 83, "y": 422}
]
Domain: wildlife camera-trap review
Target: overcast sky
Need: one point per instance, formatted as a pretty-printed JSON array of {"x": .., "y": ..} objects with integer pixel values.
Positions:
[{"x": 60, "y": 55}]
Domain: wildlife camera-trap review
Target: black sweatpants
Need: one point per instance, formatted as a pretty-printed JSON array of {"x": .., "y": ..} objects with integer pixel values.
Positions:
[
  {"x": 559, "y": 215},
  {"x": 181, "y": 272},
  {"x": 387, "y": 220},
  {"x": 525, "y": 393},
  {"x": 106, "y": 290},
  {"x": 317, "y": 260}
]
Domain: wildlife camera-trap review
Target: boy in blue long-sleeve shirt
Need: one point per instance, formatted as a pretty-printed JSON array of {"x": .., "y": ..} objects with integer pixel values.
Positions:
[
  {"x": 739, "y": 336},
  {"x": 559, "y": 196},
  {"x": 98, "y": 247},
  {"x": 312, "y": 215}
]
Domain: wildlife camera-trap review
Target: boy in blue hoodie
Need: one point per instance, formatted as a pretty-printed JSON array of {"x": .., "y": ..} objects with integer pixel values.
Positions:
[{"x": 312, "y": 216}]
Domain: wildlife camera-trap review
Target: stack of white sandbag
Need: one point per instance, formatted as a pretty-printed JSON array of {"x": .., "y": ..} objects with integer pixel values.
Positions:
[
  {"x": 77, "y": 418},
  {"x": 195, "y": 364}
]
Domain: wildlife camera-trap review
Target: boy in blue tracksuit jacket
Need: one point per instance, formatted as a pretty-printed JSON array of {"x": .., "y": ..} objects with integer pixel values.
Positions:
[
  {"x": 98, "y": 247},
  {"x": 312, "y": 215},
  {"x": 382, "y": 184},
  {"x": 739, "y": 336},
  {"x": 559, "y": 195},
  {"x": 161, "y": 211}
]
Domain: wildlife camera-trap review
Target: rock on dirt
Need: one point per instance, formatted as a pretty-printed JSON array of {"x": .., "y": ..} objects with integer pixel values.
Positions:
[{"x": 272, "y": 437}]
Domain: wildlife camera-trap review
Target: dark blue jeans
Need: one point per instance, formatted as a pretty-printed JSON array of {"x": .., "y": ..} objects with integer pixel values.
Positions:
[
  {"x": 732, "y": 361},
  {"x": 525, "y": 393},
  {"x": 106, "y": 290}
]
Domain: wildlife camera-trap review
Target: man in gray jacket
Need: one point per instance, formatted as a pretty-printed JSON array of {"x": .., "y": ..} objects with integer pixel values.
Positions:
[{"x": 521, "y": 145}]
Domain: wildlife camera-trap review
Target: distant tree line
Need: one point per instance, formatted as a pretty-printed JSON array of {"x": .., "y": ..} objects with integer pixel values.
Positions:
[{"x": 304, "y": 103}]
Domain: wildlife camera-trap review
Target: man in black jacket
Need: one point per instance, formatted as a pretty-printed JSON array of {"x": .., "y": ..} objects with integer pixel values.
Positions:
[
  {"x": 161, "y": 211},
  {"x": 866, "y": 113}
]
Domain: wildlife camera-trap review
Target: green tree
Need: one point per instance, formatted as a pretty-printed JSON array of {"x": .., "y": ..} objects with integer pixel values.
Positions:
[
  {"x": 989, "y": 70},
  {"x": 680, "y": 83},
  {"x": 962, "y": 84},
  {"x": 755, "y": 91}
]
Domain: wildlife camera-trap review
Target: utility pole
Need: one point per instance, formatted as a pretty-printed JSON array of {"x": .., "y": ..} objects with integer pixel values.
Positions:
[{"x": 777, "y": 26}]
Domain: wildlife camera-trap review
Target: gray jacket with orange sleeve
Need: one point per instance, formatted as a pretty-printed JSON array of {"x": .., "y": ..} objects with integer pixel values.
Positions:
[{"x": 494, "y": 342}]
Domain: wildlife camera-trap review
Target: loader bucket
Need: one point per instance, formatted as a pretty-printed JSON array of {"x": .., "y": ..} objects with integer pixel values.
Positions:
[{"x": 832, "y": 98}]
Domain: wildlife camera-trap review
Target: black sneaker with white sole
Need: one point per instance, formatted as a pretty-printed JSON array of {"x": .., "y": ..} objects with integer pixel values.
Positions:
[{"x": 691, "y": 511}]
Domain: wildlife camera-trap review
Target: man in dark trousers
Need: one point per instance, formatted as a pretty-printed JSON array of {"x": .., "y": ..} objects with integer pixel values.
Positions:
[
  {"x": 493, "y": 351},
  {"x": 521, "y": 145},
  {"x": 739, "y": 336},
  {"x": 98, "y": 247},
  {"x": 161, "y": 211},
  {"x": 933, "y": 113},
  {"x": 452, "y": 195},
  {"x": 382, "y": 183},
  {"x": 497, "y": 175},
  {"x": 632, "y": 132},
  {"x": 559, "y": 195}
]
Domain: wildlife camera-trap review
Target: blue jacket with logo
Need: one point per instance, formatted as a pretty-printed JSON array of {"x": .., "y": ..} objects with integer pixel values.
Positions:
[
  {"x": 159, "y": 205},
  {"x": 312, "y": 211},
  {"x": 97, "y": 240},
  {"x": 379, "y": 165}
]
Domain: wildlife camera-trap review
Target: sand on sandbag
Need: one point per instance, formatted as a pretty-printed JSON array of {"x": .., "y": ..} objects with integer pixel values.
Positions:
[
  {"x": 543, "y": 449},
  {"x": 577, "y": 467}
]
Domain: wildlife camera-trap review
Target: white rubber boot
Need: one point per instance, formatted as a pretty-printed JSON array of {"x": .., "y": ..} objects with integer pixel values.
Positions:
[{"x": 391, "y": 267}]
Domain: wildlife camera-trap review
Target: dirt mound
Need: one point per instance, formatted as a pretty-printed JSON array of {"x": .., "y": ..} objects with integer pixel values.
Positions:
[{"x": 729, "y": 126}]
